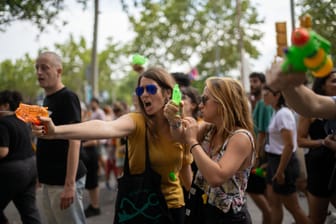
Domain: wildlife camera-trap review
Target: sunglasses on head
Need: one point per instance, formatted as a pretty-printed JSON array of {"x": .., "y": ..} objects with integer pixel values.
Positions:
[
  {"x": 204, "y": 99},
  {"x": 151, "y": 89}
]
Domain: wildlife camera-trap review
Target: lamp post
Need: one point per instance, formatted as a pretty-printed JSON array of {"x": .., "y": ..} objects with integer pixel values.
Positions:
[
  {"x": 94, "y": 64},
  {"x": 240, "y": 44},
  {"x": 292, "y": 13}
]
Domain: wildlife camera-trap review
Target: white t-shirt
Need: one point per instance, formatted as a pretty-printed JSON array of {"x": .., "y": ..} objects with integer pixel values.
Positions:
[
  {"x": 98, "y": 114},
  {"x": 281, "y": 119}
]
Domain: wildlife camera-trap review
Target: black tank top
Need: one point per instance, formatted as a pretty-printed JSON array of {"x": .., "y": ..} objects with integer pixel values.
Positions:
[{"x": 316, "y": 129}]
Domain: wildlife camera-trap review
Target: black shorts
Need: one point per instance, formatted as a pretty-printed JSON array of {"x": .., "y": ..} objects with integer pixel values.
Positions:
[
  {"x": 320, "y": 163},
  {"x": 215, "y": 216},
  {"x": 292, "y": 172},
  {"x": 89, "y": 156},
  {"x": 256, "y": 184},
  {"x": 199, "y": 213}
]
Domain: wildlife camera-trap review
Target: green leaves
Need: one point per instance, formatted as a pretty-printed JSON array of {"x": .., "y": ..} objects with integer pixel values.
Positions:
[
  {"x": 175, "y": 31},
  {"x": 20, "y": 74},
  {"x": 39, "y": 12}
]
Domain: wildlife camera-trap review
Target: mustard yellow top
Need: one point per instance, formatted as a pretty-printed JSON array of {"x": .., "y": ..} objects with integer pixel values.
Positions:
[{"x": 165, "y": 156}]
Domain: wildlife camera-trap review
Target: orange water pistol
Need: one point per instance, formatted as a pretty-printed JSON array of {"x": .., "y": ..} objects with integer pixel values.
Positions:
[{"x": 31, "y": 113}]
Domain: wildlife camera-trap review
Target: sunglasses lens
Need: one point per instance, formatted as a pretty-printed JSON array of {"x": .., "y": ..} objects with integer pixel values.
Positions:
[
  {"x": 139, "y": 90},
  {"x": 151, "y": 89}
]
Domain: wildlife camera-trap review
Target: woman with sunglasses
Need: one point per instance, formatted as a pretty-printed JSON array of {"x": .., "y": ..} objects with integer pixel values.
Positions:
[
  {"x": 223, "y": 149},
  {"x": 168, "y": 157}
]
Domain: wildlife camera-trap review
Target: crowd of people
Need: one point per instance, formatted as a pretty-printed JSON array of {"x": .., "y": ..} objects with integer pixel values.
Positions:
[{"x": 205, "y": 149}]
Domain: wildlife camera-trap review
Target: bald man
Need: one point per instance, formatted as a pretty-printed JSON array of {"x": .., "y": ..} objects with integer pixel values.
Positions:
[{"x": 60, "y": 170}]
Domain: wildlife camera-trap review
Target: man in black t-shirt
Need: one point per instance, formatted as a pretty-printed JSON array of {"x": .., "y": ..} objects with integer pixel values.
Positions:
[{"x": 60, "y": 170}]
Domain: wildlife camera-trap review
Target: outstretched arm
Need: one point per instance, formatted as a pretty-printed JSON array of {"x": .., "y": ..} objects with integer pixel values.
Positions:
[
  {"x": 307, "y": 103},
  {"x": 94, "y": 129},
  {"x": 299, "y": 97}
]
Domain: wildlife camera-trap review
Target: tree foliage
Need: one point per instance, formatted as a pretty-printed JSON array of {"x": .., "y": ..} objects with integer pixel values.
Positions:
[
  {"x": 39, "y": 12},
  {"x": 175, "y": 32},
  {"x": 76, "y": 56},
  {"x": 19, "y": 75},
  {"x": 323, "y": 13}
]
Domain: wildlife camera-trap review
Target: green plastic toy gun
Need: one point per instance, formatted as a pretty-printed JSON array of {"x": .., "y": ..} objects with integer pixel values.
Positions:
[
  {"x": 177, "y": 95},
  {"x": 260, "y": 172},
  {"x": 309, "y": 51}
]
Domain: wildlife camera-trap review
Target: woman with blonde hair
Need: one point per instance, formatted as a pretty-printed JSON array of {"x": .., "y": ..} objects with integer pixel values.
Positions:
[{"x": 223, "y": 149}]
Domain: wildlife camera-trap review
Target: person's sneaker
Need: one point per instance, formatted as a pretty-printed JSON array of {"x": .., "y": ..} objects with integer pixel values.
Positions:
[{"x": 91, "y": 211}]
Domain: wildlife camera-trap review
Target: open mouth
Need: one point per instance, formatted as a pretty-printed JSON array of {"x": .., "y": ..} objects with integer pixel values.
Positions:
[{"x": 147, "y": 104}]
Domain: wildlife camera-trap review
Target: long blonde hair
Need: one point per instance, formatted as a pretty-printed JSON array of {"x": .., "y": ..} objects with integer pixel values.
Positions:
[{"x": 233, "y": 105}]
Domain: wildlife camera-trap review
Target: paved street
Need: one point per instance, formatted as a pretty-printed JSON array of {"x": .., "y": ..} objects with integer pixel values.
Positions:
[{"x": 107, "y": 204}]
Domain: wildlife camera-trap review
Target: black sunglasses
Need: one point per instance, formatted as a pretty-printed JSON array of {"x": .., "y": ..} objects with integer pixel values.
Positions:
[
  {"x": 204, "y": 99},
  {"x": 151, "y": 89}
]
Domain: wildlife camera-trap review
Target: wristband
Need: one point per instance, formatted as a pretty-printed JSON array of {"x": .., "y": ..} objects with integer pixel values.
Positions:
[{"x": 193, "y": 146}]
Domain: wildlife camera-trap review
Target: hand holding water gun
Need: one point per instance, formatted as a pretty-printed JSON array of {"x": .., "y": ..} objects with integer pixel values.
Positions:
[
  {"x": 177, "y": 95},
  {"x": 173, "y": 109},
  {"x": 31, "y": 113},
  {"x": 309, "y": 52},
  {"x": 138, "y": 59},
  {"x": 138, "y": 62}
]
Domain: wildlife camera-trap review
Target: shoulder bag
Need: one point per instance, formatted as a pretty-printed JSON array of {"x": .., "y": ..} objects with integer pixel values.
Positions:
[{"x": 139, "y": 198}]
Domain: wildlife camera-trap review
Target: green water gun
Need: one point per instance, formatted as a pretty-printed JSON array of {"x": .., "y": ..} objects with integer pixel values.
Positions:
[
  {"x": 172, "y": 176},
  {"x": 309, "y": 51},
  {"x": 177, "y": 95},
  {"x": 138, "y": 59},
  {"x": 260, "y": 172}
]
